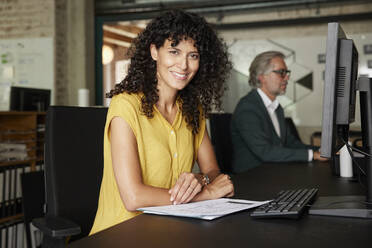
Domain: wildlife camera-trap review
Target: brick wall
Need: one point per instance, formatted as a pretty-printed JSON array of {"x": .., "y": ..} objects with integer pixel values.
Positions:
[
  {"x": 26, "y": 18},
  {"x": 61, "y": 55},
  {"x": 40, "y": 18}
]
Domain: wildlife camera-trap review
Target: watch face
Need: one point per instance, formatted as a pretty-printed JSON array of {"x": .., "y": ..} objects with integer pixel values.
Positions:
[{"x": 206, "y": 179}]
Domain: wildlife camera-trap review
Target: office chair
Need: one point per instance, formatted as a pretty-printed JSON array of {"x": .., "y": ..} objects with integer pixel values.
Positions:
[
  {"x": 73, "y": 172},
  {"x": 33, "y": 197},
  {"x": 355, "y": 137},
  {"x": 315, "y": 138},
  {"x": 221, "y": 139},
  {"x": 358, "y": 143}
]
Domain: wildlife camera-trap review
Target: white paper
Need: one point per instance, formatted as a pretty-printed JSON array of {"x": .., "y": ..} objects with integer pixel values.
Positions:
[{"x": 207, "y": 210}]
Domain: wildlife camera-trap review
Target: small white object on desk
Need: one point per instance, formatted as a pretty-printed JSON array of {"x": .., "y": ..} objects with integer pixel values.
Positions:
[
  {"x": 83, "y": 98},
  {"x": 346, "y": 163}
]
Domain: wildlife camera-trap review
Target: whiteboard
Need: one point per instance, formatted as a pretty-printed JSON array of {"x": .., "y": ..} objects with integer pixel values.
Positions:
[{"x": 25, "y": 62}]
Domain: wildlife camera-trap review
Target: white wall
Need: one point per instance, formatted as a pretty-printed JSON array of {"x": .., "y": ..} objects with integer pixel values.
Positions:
[{"x": 306, "y": 42}]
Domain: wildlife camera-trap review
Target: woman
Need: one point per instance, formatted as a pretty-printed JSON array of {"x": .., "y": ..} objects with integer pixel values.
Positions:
[{"x": 155, "y": 127}]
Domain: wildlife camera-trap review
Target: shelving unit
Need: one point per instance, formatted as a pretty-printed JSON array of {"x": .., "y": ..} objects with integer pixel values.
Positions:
[{"x": 21, "y": 150}]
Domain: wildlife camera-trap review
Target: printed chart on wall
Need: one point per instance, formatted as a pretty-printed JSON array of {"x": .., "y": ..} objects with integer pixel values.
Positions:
[{"x": 25, "y": 63}]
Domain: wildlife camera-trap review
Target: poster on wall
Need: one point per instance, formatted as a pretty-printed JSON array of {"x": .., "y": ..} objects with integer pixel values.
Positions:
[{"x": 25, "y": 63}]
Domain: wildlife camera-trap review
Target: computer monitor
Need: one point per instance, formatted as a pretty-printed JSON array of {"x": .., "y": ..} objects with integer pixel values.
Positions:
[
  {"x": 340, "y": 87},
  {"x": 29, "y": 99}
]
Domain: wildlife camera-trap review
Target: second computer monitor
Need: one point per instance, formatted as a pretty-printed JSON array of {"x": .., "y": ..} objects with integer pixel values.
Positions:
[{"x": 29, "y": 99}]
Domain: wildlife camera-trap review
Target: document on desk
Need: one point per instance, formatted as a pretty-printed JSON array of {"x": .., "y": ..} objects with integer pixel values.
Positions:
[{"x": 207, "y": 210}]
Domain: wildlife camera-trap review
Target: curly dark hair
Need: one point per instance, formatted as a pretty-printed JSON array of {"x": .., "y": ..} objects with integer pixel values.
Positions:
[{"x": 207, "y": 86}]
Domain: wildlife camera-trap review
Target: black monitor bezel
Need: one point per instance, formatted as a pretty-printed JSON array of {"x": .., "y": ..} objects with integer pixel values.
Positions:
[{"x": 18, "y": 95}]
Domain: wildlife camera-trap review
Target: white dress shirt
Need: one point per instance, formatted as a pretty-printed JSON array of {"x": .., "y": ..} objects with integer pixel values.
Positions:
[{"x": 271, "y": 106}]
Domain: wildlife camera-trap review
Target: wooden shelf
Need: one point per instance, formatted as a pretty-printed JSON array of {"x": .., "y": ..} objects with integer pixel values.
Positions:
[
  {"x": 11, "y": 218},
  {"x": 17, "y": 162},
  {"x": 22, "y": 113},
  {"x": 25, "y": 128}
]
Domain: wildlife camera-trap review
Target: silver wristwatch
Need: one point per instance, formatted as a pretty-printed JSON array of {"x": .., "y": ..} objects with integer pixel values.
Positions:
[{"x": 206, "y": 180}]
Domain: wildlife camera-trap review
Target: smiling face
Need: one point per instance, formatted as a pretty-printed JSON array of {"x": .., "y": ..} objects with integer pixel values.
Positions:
[
  {"x": 272, "y": 83},
  {"x": 175, "y": 65}
]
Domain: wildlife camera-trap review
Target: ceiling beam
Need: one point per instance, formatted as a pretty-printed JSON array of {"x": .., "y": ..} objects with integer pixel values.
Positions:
[
  {"x": 120, "y": 31},
  {"x": 110, "y": 42},
  {"x": 204, "y": 6},
  {"x": 114, "y": 36},
  {"x": 128, "y": 28}
]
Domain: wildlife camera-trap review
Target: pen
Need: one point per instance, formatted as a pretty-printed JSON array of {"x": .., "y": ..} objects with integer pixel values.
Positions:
[{"x": 240, "y": 202}]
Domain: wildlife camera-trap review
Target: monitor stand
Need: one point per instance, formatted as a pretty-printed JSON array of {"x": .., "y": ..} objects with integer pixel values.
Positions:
[{"x": 354, "y": 206}]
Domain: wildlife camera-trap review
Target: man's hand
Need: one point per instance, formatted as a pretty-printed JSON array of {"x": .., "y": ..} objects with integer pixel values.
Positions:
[{"x": 318, "y": 157}]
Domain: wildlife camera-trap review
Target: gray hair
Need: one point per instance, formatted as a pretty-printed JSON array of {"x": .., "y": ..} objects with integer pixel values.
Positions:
[{"x": 260, "y": 65}]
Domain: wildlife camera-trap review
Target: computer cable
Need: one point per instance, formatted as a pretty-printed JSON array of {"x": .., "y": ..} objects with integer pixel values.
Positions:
[{"x": 349, "y": 148}]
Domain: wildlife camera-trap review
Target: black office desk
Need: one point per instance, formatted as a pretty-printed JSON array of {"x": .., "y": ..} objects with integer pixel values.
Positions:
[{"x": 239, "y": 229}]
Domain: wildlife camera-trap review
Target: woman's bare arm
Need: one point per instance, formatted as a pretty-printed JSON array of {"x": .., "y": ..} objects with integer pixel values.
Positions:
[{"x": 124, "y": 153}]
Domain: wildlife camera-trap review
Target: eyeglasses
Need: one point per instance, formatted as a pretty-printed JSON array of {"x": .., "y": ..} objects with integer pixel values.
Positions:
[{"x": 283, "y": 72}]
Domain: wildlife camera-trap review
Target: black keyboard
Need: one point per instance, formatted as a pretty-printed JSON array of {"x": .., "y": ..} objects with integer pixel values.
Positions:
[{"x": 288, "y": 204}]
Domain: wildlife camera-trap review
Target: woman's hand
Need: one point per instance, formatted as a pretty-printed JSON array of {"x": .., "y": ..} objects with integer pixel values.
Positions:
[
  {"x": 186, "y": 187},
  {"x": 221, "y": 186}
]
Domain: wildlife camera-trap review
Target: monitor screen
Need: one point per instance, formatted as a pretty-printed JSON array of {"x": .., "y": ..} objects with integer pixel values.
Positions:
[
  {"x": 29, "y": 99},
  {"x": 340, "y": 86}
]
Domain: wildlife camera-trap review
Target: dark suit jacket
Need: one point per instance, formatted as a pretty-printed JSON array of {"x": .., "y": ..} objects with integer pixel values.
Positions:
[{"x": 255, "y": 140}]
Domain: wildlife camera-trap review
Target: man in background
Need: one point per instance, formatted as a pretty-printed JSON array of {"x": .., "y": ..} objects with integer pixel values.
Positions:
[{"x": 258, "y": 128}]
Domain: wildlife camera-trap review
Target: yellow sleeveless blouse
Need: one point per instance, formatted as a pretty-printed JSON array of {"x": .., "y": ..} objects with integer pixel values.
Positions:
[{"x": 165, "y": 151}]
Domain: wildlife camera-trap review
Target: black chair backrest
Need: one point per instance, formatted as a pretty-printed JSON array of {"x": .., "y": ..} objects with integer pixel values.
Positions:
[
  {"x": 33, "y": 197},
  {"x": 221, "y": 139},
  {"x": 74, "y": 163}
]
